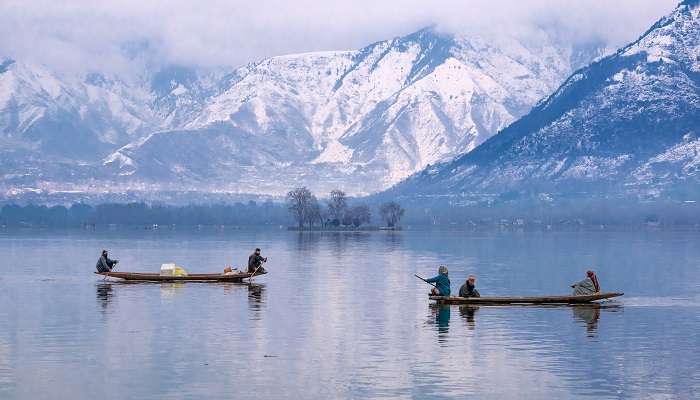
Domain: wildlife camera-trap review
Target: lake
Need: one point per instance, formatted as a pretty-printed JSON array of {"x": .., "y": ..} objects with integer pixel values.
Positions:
[{"x": 340, "y": 315}]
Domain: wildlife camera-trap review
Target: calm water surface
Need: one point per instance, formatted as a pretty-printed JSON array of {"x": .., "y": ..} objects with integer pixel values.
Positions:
[{"x": 341, "y": 316}]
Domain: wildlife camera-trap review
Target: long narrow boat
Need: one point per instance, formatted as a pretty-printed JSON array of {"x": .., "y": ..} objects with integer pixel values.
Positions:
[
  {"x": 151, "y": 277},
  {"x": 526, "y": 300}
]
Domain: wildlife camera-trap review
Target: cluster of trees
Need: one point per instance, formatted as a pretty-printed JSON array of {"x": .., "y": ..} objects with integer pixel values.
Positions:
[
  {"x": 391, "y": 212},
  {"x": 308, "y": 211},
  {"x": 305, "y": 209},
  {"x": 250, "y": 213},
  {"x": 340, "y": 213}
]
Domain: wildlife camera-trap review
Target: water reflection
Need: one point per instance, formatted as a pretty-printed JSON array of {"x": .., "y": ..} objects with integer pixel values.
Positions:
[
  {"x": 339, "y": 241},
  {"x": 233, "y": 287},
  {"x": 337, "y": 244},
  {"x": 586, "y": 314},
  {"x": 256, "y": 300},
  {"x": 392, "y": 240},
  {"x": 170, "y": 289},
  {"x": 104, "y": 293},
  {"x": 256, "y": 295},
  {"x": 441, "y": 319},
  {"x": 467, "y": 312},
  {"x": 589, "y": 315},
  {"x": 308, "y": 241}
]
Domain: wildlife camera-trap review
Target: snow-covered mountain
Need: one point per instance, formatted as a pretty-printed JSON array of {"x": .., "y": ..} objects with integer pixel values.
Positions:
[
  {"x": 359, "y": 120},
  {"x": 57, "y": 129},
  {"x": 71, "y": 118},
  {"x": 627, "y": 125}
]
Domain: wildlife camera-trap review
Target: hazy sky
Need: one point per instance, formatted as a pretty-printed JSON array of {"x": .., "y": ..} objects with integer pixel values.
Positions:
[{"x": 106, "y": 35}]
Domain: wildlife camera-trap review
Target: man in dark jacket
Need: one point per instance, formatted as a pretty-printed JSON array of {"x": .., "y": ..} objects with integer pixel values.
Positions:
[
  {"x": 104, "y": 264},
  {"x": 255, "y": 262},
  {"x": 469, "y": 288}
]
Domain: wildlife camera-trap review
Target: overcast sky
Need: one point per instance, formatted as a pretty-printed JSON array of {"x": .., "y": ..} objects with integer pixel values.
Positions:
[{"x": 101, "y": 35}]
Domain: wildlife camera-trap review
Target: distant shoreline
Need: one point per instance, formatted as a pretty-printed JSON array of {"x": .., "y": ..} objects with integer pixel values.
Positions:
[{"x": 344, "y": 229}]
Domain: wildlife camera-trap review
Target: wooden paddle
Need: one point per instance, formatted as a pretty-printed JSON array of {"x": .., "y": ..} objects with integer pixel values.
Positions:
[
  {"x": 250, "y": 278},
  {"x": 111, "y": 269}
]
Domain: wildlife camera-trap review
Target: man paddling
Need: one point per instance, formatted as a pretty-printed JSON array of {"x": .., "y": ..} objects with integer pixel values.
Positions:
[
  {"x": 104, "y": 264},
  {"x": 469, "y": 288},
  {"x": 587, "y": 286},
  {"x": 255, "y": 262},
  {"x": 441, "y": 281}
]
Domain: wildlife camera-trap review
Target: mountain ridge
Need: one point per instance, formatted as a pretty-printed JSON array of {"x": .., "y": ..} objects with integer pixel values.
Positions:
[
  {"x": 359, "y": 120},
  {"x": 647, "y": 94}
]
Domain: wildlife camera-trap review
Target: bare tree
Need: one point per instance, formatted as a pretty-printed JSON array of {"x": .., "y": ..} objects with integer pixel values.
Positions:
[
  {"x": 347, "y": 217},
  {"x": 314, "y": 214},
  {"x": 361, "y": 214},
  {"x": 357, "y": 215},
  {"x": 391, "y": 212},
  {"x": 337, "y": 204},
  {"x": 299, "y": 201}
]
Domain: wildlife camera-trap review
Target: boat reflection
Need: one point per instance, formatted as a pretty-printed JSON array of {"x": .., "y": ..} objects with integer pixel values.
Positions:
[
  {"x": 586, "y": 314},
  {"x": 170, "y": 289},
  {"x": 233, "y": 287}
]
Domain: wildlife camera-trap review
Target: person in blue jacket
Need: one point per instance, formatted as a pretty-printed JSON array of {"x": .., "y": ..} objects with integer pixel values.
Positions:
[{"x": 441, "y": 281}]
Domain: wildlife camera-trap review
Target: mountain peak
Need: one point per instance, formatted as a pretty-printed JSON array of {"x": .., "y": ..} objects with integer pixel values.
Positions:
[
  {"x": 170, "y": 76},
  {"x": 427, "y": 34},
  {"x": 434, "y": 49}
]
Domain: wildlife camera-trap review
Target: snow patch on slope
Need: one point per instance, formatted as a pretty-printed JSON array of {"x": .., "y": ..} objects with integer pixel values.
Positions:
[{"x": 335, "y": 152}]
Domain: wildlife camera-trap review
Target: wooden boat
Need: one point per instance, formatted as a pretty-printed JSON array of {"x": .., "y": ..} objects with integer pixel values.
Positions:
[
  {"x": 156, "y": 277},
  {"x": 526, "y": 300}
]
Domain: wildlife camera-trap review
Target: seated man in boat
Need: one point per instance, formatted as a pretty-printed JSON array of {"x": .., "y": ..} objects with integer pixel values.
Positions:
[
  {"x": 104, "y": 264},
  {"x": 441, "y": 281},
  {"x": 255, "y": 262},
  {"x": 469, "y": 288},
  {"x": 587, "y": 286}
]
